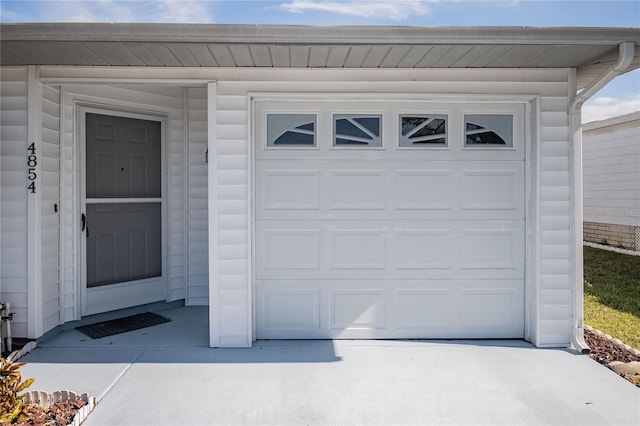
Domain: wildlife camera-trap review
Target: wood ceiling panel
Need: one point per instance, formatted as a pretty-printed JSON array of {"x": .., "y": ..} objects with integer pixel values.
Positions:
[
  {"x": 489, "y": 57},
  {"x": 203, "y": 55},
  {"x": 300, "y": 56},
  {"x": 241, "y": 55},
  {"x": 222, "y": 55},
  {"x": 376, "y": 55},
  {"x": 394, "y": 56},
  {"x": 413, "y": 56},
  {"x": 261, "y": 55},
  {"x": 433, "y": 56},
  {"x": 523, "y": 55},
  {"x": 318, "y": 56},
  {"x": 154, "y": 54},
  {"x": 182, "y": 52},
  {"x": 280, "y": 56},
  {"x": 452, "y": 56},
  {"x": 43, "y": 52},
  {"x": 476, "y": 53},
  {"x": 337, "y": 56},
  {"x": 15, "y": 53},
  {"x": 356, "y": 56},
  {"x": 76, "y": 54},
  {"x": 569, "y": 56},
  {"x": 116, "y": 53}
]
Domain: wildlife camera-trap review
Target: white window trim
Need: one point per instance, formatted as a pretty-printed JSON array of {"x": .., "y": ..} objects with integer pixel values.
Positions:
[
  {"x": 518, "y": 136},
  {"x": 447, "y": 135},
  {"x": 265, "y": 141},
  {"x": 356, "y": 147}
]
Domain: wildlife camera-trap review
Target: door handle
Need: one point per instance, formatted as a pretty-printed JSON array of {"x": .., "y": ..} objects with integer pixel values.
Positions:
[{"x": 83, "y": 218}]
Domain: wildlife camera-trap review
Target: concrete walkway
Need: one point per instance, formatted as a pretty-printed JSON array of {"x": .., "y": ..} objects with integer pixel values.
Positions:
[{"x": 165, "y": 375}]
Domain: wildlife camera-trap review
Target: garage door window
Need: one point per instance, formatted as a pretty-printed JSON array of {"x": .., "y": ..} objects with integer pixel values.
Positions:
[
  {"x": 420, "y": 131},
  {"x": 495, "y": 130},
  {"x": 357, "y": 131},
  {"x": 291, "y": 130}
]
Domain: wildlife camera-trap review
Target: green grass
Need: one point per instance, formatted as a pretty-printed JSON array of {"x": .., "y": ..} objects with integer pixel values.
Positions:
[{"x": 612, "y": 294}]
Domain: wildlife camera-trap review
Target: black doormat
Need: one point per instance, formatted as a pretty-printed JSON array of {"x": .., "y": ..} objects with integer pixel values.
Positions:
[{"x": 122, "y": 325}]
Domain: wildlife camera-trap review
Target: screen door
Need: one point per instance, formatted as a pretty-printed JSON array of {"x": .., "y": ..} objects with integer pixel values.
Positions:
[{"x": 122, "y": 216}]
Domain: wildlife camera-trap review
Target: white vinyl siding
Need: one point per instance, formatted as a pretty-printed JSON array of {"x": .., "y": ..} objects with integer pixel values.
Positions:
[
  {"x": 49, "y": 189},
  {"x": 548, "y": 285},
  {"x": 550, "y": 296},
  {"x": 554, "y": 293},
  {"x": 232, "y": 205},
  {"x": 611, "y": 170},
  {"x": 197, "y": 230},
  {"x": 13, "y": 194}
]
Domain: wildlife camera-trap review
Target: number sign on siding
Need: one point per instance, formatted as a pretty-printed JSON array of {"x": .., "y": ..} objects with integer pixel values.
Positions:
[{"x": 32, "y": 162}]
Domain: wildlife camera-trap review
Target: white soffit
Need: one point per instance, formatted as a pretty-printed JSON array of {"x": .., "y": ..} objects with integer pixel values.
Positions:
[{"x": 591, "y": 50}]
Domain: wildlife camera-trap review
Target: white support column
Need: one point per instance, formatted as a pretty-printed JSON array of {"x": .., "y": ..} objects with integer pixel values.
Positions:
[
  {"x": 212, "y": 144},
  {"x": 34, "y": 264}
]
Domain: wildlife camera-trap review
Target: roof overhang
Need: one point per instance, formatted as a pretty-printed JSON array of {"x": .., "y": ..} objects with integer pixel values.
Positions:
[{"x": 590, "y": 50}]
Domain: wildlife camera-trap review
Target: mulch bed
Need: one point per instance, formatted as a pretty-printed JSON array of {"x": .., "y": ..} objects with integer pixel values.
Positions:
[
  {"x": 605, "y": 351},
  {"x": 60, "y": 414}
]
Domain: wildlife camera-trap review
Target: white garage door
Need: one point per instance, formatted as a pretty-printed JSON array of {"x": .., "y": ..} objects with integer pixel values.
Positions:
[{"x": 389, "y": 220}]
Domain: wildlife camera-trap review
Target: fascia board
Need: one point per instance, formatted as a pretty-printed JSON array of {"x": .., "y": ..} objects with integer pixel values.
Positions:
[{"x": 315, "y": 35}]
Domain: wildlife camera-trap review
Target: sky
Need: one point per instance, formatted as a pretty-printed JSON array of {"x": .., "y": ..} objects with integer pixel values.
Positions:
[{"x": 621, "y": 96}]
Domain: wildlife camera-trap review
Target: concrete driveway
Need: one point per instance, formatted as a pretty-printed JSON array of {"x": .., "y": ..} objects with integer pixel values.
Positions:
[{"x": 163, "y": 375}]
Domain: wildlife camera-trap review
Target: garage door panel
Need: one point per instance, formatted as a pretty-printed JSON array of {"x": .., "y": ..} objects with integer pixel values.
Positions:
[
  {"x": 423, "y": 190},
  {"x": 494, "y": 249},
  {"x": 291, "y": 189},
  {"x": 347, "y": 249},
  {"x": 357, "y": 309},
  {"x": 491, "y": 190},
  {"x": 357, "y": 249},
  {"x": 393, "y": 190},
  {"x": 357, "y": 190},
  {"x": 291, "y": 249},
  {"x": 489, "y": 309},
  {"x": 423, "y": 249},
  {"x": 424, "y": 308},
  {"x": 389, "y": 308},
  {"x": 291, "y": 309}
]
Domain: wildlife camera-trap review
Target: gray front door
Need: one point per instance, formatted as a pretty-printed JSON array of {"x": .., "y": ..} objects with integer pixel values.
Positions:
[{"x": 122, "y": 215}]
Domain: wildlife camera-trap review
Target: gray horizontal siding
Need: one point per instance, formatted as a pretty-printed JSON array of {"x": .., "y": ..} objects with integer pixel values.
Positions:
[{"x": 611, "y": 171}]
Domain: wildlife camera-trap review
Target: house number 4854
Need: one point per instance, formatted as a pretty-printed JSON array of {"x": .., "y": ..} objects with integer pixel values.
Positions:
[{"x": 32, "y": 162}]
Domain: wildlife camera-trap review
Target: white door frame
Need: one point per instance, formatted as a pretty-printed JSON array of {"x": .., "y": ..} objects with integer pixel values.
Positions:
[{"x": 140, "y": 287}]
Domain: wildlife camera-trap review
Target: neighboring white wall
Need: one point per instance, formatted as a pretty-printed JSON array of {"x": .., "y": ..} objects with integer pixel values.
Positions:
[
  {"x": 550, "y": 314},
  {"x": 13, "y": 194},
  {"x": 611, "y": 170}
]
